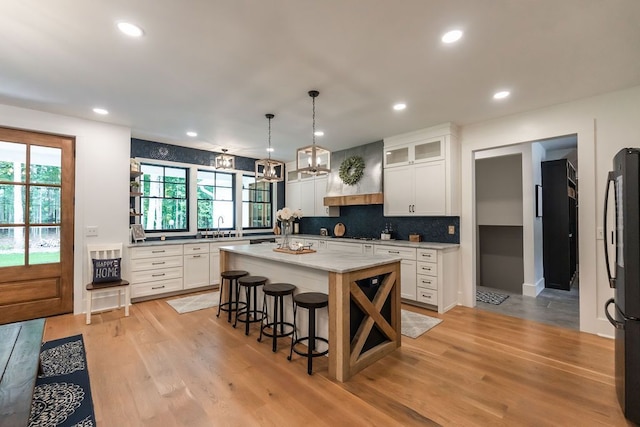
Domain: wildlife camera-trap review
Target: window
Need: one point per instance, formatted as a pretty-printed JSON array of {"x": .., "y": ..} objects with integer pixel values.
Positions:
[
  {"x": 164, "y": 198},
  {"x": 256, "y": 203},
  {"x": 215, "y": 200},
  {"x": 30, "y": 204}
]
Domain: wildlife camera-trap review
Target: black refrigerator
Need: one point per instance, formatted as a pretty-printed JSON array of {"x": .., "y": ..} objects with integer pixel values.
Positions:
[{"x": 622, "y": 253}]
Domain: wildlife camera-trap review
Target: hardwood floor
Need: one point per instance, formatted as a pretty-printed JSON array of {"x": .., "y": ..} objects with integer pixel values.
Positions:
[{"x": 476, "y": 368}]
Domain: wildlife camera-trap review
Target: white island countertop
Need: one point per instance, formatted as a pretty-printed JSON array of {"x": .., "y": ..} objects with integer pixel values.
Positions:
[{"x": 336, "y": 262}]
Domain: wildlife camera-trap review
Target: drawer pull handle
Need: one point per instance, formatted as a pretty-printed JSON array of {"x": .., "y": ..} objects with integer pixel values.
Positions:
[
  {"x": 157, "y": 287},
  {"x": 158, "y": 263},
  {"x": 197, "y": 256},
  {"x": 394, "y": 252},
  {"x": 157, "y": 252},
  {"x": 158, "y": 275},
  {"x": 427, "y": 255}
]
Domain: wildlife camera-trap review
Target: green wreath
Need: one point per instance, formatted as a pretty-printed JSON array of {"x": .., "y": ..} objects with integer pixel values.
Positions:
[{"x": 351, "y": 170}]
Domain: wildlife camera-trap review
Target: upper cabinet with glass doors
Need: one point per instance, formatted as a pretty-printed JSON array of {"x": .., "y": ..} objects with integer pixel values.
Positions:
[
  {"x": 414, "y": 152},
  {"x": 422, "y": 173}
]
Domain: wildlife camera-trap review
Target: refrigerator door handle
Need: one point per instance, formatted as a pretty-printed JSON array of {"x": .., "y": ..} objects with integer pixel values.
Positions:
[
  {"x": 612, "y": 280},
  {"x": 614, "y": 322}
]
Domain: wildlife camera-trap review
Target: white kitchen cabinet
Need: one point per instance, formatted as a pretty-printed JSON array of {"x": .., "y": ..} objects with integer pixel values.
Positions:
[
  {"x": 155, "y": 270},
  {"x": 421, "y": 173},
  {"x": 407, "y": 268},
  {"x": 346, "y": 247},
  {"x": 196, "y": 265},
  {"x": 437, "y": 278},
  {"x": 306, "y": 192}
]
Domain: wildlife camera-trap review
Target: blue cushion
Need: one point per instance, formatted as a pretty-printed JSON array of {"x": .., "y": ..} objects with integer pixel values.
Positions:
[{"x": 106, "y": 270}]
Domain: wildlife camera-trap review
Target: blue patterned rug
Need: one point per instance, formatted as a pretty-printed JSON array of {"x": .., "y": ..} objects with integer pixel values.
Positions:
[
  {"x": 62, "y": 395},
  {"x": 490, "y": 297}
]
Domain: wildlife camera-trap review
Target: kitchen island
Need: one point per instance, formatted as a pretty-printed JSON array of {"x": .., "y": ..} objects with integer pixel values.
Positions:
[{"x": 363, "y": 319}]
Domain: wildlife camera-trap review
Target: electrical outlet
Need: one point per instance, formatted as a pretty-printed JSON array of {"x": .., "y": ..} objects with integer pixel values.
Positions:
[
  {"x": 91, "y": 230},
  {"x": 452, "y": 229}
]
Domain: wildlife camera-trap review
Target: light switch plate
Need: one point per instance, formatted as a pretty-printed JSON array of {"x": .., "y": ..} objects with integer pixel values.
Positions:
[
  {"x": 91, "y": 230},
  {"x": 452, "y": 229}
]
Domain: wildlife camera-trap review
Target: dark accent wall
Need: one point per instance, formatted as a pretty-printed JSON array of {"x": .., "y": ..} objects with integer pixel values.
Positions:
[
  {"x": 369, "y": 221},
  {"x": 175, "y": 153}
]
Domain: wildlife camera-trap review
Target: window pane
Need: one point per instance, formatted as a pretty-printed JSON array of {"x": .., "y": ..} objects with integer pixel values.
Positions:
[
  {"x": 224, "y": 210},
  {"x": 256, "y": 203},
  {"x": 11, "y": 246},
  {"x": 164, "y": 198},
  {"x": 12, "y": 202},
  {"x": 45, "y": 165},
  {"x": 224, "y": 194},
  {"x": 13, "y": 162},
  {"x": 224, "y": 180},
  {"x": 44, "y": 245},
  {"x": 205, "y": 214},
  {"x": 44, "y": 205}
]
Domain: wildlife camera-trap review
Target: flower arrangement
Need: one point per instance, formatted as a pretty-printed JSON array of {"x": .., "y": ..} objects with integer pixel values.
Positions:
[{"x": 286, "y": 215}]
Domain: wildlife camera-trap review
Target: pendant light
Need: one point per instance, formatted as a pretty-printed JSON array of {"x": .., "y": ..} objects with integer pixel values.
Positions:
[
  {"x": 224, "y": 160},
  {"x": 313, "y": 159},
  {"x": 268, "y": 170}
]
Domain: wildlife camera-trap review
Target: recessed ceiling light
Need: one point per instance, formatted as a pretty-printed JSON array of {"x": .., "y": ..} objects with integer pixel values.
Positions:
[
  {"x": 319, "y": 133},
  {"x": 192, "y": 134},
  {"x": 400, "y": 106},
  {"x": 129, "y": 29},
  {"x": 101, "y": 111},
  {"x": 270, "y": 150},
  {"x": 452, "y": 36},
  {"x": 501, "y": 95}
]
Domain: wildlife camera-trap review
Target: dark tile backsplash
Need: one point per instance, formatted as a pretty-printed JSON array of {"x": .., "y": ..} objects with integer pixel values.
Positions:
[{"x": 369, "y": 221}]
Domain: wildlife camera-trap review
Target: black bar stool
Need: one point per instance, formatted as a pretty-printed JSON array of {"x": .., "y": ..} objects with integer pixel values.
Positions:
[
  {"x": 250, "y": 313},
  {"x": 233, "y": 302},
  {"x": 278, "y": 291},
  {"x": 311, "y": 301}
]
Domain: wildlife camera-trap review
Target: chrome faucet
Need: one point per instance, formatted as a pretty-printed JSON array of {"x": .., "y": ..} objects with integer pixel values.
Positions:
[{"x": 220, "y": 219}]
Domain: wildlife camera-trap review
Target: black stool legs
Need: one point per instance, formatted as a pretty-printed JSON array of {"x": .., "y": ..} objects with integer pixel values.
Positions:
[
  {"x": 233, "y": 301},
  {"x": 278, "y": 291},
  {"x": 311, "y": 301},
  {"x": 250, "y": 314}
]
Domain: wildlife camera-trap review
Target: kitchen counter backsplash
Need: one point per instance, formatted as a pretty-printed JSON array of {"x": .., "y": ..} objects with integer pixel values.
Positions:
[{"x": 369, "y": 221}]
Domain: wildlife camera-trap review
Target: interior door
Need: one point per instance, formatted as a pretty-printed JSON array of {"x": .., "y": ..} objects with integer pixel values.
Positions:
[{"x": 37, "y": 178}]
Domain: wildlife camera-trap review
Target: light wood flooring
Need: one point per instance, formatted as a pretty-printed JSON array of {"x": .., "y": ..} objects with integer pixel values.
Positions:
[{"x": 476, "y": 368}]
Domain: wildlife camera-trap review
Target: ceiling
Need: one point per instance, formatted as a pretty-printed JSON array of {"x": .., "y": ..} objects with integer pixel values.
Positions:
[{"x": 216, "y": 67}]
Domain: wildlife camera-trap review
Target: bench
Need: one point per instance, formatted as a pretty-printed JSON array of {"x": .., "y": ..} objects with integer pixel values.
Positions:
[{"x": 19, "y": 364}]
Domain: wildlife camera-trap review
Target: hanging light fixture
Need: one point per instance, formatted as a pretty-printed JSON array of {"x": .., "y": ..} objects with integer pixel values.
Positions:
[
  {"x": 224, "y": 160},
  {"x": 268, "y": 170},
  {"x": 313, "y": 159}
]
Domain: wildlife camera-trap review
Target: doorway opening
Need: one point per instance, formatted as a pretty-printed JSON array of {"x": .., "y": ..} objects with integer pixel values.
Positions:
[{"x": 510, "y": 251}]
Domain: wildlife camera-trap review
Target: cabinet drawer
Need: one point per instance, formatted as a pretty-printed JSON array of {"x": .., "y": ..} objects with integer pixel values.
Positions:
[
  {"x": 196, "y": 248},
  {"x": 428, "y": 296},
  {"x": 430, "y": 255},
  {"x": 156, "y": 263},
  {"x": 158, "y": 274},
  {"x": 428, "y": 268},
  {"x": 406, "y": 253},
  {"x": 156, "y": 251},
  {"x": 429, "y": 282},
  {"x": 157, "y": 287}
]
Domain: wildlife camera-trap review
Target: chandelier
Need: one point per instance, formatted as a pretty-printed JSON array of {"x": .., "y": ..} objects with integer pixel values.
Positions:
[
  {"x": 224, "y": 160},
  {"x": 313, "y": 159},
  {"x": 268, "y": 170}
]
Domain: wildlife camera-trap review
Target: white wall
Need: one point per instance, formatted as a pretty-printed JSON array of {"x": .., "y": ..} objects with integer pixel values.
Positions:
[
  {"x": 102, "y": 182},
  {"x": 604, "y": 124}
]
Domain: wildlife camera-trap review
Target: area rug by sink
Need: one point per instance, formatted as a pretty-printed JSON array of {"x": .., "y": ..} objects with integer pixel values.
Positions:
[
  {"x": 62, "y": 394},
  {"x": 415, "y": 324},
  {"x": 490, "y": 297},
  {"x": 195, "y": 302}
]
